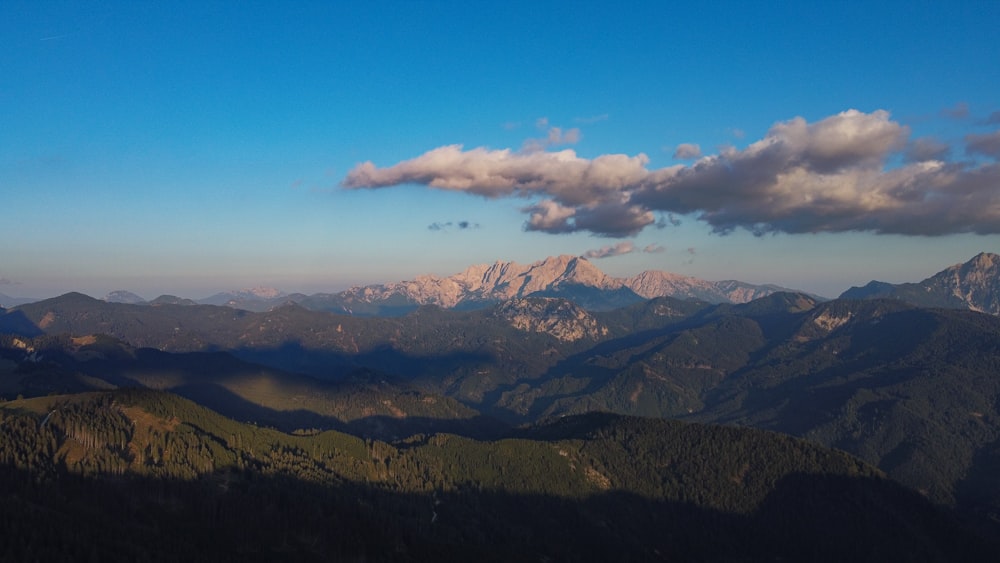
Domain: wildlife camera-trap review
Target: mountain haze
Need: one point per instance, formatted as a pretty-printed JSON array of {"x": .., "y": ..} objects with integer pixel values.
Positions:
[
  {"x": 570, "y": 277},
  {"x": 8, "y": 301},
  {"x": 258, "y": 298}
]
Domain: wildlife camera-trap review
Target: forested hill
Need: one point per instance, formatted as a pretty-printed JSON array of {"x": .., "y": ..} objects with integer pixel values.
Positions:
[{"x": 141, "y": 475}]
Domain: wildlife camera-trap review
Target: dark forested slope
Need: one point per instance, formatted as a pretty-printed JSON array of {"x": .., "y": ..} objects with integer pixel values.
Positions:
[{"x": 141, "y": 475}]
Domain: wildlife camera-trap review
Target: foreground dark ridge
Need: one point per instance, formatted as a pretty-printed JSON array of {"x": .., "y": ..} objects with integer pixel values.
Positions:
[{"x": 139, "y": 475}]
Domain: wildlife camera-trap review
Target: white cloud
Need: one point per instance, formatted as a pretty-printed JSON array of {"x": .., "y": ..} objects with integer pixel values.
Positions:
[
  {"x": 618, "y": 249},
  {"x": 548, "y": 216},
  {"x": 832, "y": 175},
  {"x": 498, "y": 173},
  {"x": 687, "y": 151},
  {"x": 844, "y": 140}
]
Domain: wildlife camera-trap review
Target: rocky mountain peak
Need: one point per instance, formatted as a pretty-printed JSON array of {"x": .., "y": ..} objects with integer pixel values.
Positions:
[
  {"x": 983, "y": 266},
  {"x": 973, "y": 285},
  {"x": 985, "y": 260},
  {"x": 504, "y": 280},
  {"x": 654, "y": 283},
  {"x": 558, "y": 270},
  {"x": 564, "y": 276}
]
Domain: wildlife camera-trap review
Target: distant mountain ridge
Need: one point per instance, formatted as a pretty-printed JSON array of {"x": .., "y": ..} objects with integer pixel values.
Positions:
[
  {"x": 257, "y": 299},
  {"x": 570, "y": 277},
  {"x": 123, "y": 296},
  {"x": 973, "y": 285},
  {"x": 655, "y": 283},
  {"x": 250, "y": 295},
  {"x": 8, "y": 301}
]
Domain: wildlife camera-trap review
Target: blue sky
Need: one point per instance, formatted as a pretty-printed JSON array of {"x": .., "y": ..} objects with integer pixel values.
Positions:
[{"x": 195, "y": 147}]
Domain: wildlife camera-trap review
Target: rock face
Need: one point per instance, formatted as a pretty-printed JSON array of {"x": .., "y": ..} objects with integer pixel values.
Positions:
[
  {"x": 557, "y": 317},
  {"x": 489, "y": 282},
  {"x": 571, "y": 277},
  {"x": 652, "y": 284},
  {"x": 974, "y": 285}
]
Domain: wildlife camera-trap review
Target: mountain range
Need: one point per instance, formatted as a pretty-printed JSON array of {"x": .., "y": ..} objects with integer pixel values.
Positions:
[
  {"x": 891, "y": 382},
  {"x": 907, "y": 387},
  {"x": 571, "y": 277},
  {"x": 972, "y": 285}
]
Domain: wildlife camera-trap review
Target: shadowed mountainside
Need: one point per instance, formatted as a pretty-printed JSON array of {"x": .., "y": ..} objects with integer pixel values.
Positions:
[{"x": 141, "y": 475}]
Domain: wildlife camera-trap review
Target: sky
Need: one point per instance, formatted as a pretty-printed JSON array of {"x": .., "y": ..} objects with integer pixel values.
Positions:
[{"x": 188, "y": 148}]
